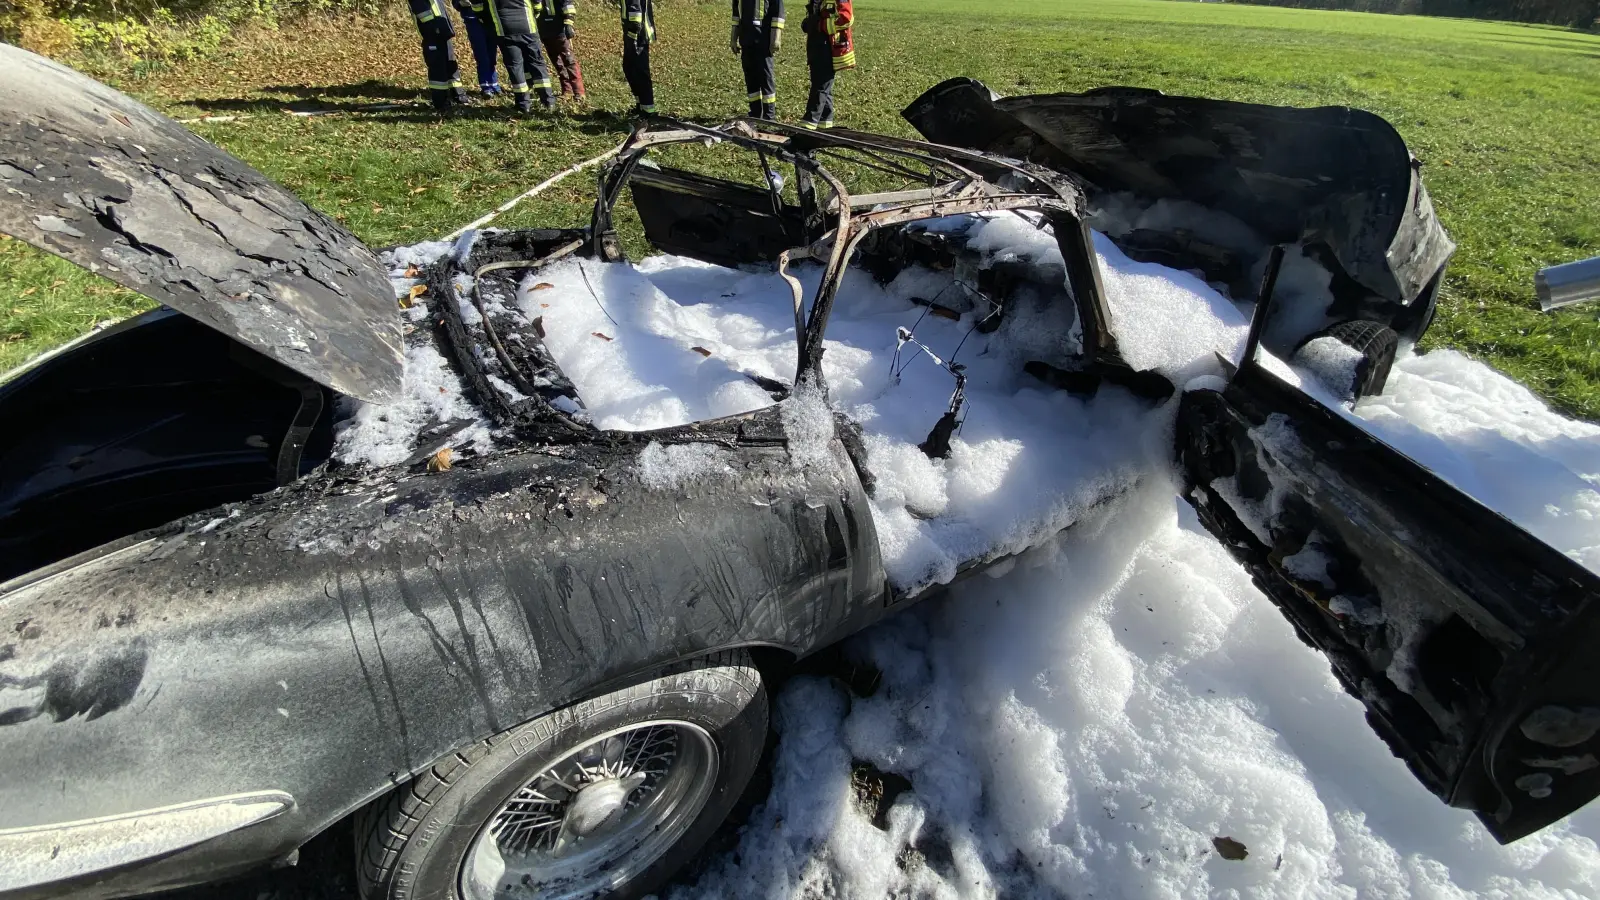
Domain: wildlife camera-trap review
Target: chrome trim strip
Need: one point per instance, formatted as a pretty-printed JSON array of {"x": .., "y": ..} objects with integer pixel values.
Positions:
[{"x": 41, "y": 854}]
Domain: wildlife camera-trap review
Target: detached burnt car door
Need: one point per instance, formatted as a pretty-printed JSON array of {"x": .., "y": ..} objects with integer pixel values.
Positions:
[{"x": 1472, "y": 643}]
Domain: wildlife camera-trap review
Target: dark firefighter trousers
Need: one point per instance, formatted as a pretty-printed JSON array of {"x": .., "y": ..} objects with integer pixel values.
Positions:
[
  {"x": 559, "y": 48},
  {"x": 636, "y": 68},
  {"x": 444, "y": 75},
  {"x": 525, "y": 66},
  {"x": 760, "y": 78},
  {"x": 819, "y": 60}
]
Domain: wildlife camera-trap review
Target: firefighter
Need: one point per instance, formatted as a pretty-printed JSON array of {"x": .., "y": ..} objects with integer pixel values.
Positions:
[
  {"x": 829, "y": 50},
  {"x": 516, "y": 31},
  {"x": 638, "y": 33},
  {"x": 444, "y": 76},
  {"x": 480, "y": 34},
  {"x": 756, "y": 36},
  {"x": 557, "y": 30}
]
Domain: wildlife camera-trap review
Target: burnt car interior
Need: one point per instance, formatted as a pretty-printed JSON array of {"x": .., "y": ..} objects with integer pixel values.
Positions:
[{"x": 728, "y": 223}]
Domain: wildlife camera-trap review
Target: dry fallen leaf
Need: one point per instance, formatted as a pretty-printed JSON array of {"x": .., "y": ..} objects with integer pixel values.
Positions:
[
  {"x": 944, "y": 313},
  {"x": 1228, "y": 848},
  {"x": 543, "y": 286},
  {"x": 538, "y": 326},
  {"x": 701, "y": 350},
  {"x": 412, "y": 271},
  {"x": 599, "y": 335},
  {"x": 29, "y": 291},
  {"x": 440, "y": 462},
  {"x": 419, "y": 190},
  {"x": 376, "y": 208},
  {"x": 544, "y": 306},
  {"x": 410, "y": 299}
]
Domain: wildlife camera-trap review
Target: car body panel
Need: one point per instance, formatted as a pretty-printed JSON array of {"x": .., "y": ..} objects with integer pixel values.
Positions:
[
  {"x": 333, "y": 638},
  {"x": 157, "y": 209},
  {"x": 712, "y": 219},
  {"x": 1466, "y": 637},
  {"x": 1332, "y": 177}
]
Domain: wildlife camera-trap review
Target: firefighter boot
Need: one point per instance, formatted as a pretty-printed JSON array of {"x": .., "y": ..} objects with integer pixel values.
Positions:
[{"x": 547, "y": 99}]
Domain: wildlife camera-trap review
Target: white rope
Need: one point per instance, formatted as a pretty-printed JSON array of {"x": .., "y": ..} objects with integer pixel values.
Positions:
[
  {"x": 535, "y": 190},
  {"x": 304, "y": 114}
]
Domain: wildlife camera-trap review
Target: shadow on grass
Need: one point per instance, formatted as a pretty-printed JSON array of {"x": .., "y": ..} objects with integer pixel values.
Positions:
[
  {"x": 390, "y": 103},
  {"x": 304, "y": 98},
  {"x": 372, "y": 87},
  {"x": 591, "y": 121}
]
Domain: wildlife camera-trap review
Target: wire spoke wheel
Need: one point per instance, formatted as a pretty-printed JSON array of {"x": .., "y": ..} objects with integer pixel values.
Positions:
[{"x": 595, "y": 817}]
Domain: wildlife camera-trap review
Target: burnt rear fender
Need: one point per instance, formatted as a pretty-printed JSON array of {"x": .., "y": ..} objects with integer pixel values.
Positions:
[
  {"x": 338, "y": 635},
  {"x": 1470, "y": 641},
  {"x": 1333, "y": 178}
]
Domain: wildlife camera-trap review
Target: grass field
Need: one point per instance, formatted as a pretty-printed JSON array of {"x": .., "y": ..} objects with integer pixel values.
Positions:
[{"x": 1501, "y": 115}]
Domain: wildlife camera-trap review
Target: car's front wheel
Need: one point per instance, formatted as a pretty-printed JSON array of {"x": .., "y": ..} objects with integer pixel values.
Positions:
[{"x": 608, "y": 797}]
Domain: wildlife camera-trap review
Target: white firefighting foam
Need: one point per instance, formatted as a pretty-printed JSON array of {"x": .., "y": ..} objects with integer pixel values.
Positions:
[{"x": 1094, "y": 717}]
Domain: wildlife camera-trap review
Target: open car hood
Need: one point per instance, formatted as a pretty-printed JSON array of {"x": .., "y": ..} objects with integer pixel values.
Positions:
[
  {"x": 98, "y": 178},
  {"x": 1334, "y": 177}
]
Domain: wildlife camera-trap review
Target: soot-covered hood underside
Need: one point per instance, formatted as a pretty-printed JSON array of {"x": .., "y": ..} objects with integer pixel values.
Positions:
[{"x": 98, "y": 178}]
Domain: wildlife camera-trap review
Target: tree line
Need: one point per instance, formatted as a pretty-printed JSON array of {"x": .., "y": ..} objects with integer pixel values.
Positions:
[{"x": 1570, "y": 13}]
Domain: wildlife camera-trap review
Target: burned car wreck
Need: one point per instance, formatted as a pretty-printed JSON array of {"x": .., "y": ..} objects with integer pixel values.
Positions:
[{"x": 532, "y": 665}]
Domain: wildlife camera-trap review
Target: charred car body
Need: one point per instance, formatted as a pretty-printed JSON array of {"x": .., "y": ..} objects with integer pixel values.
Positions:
[{"x": 530, "y": 672}]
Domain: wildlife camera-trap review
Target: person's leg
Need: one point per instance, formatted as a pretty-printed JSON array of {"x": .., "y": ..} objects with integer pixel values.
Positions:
[
  {"x": 538, "y": 73},
  {"x": 511, "y": 49},
  {"x": 550, "y": 38},
  {"x": 571, "y": 62},
  {"x": 769, "y": 88},
  {"x": 630, "y": 67},
  {"x": 819, "y": 67},
  {"x": 826, "y": 92},
  {"x": 750, "y": 60},
  {"x": 443, "y": 74},
  {"x": 819, "y": 60},
  {"x": 636, "y": 68},
  {"x": 483, "y": 52}
]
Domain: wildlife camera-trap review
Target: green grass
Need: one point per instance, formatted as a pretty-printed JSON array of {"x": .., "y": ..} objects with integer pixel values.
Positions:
[
  {"x": 48, "y": 301},
  {"x": 1501, "y": 115}
]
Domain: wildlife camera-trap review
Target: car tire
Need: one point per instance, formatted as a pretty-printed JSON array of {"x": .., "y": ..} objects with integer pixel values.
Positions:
[
  {"x": 1377, "y": 343},
  {"x": 447, "y": 833}
]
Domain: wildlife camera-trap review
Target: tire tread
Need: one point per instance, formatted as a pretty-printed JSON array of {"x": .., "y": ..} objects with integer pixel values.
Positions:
[{"x": 387, "y": 824}]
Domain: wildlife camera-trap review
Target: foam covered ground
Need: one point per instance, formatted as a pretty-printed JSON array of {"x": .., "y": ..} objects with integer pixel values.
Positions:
[{"x": 1090, "y": 719}]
